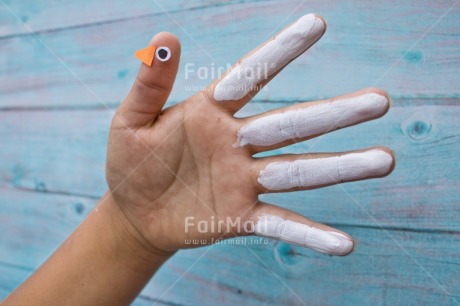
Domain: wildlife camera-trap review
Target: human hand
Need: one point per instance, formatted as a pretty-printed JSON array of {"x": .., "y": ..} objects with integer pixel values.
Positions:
[{"x": 195, "y": 159}]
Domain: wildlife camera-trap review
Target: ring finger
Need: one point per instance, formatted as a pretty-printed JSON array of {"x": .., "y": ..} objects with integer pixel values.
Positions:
[{"x": 284, "y": 173}]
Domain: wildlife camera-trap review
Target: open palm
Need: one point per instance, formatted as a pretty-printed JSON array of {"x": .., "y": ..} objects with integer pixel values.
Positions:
[{"x": 188, "y": 172}]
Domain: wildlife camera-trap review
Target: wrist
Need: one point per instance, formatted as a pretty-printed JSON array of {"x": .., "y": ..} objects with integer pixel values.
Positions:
[
  {"x": 131, "y": 246},
  {"x": 103, "y": 262}
]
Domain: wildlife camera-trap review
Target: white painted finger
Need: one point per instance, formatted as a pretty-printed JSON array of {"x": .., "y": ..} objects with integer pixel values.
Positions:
[
  {"x": 328, "y": 242},
  {"x": 308, "y": 173},
  {"x": 312, "y": 120},
  {"x": 273, "y": 56}
]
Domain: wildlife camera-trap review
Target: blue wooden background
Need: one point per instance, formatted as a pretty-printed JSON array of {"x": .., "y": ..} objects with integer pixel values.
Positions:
[{"x": 65, "y": 66}]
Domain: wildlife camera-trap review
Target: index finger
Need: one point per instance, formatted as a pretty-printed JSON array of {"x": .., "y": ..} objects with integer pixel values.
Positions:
[{"x": 238, "y": 85}]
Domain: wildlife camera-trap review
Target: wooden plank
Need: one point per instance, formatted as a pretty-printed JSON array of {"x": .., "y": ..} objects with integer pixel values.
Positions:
[
  {"x": 42, "y": 16},
  {"x": 422, "y": 186},
  {"x": 37, "y": 221},
  {"x": 12, "y": 276},
  {"x": 31, "y": 157},
  {"x": 64, "y": 152},
  {"x": 22, "y": 17},
  {"x": 100, "y": 56},
  {"x": 379, "y": 272},
  {"x": 54, "y": 127},
  {"x": 388, "y": 267}
]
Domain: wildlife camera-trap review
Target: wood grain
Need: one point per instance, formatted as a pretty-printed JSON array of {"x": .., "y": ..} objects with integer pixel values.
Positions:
[
  {"x": 395, "y": 266},
  {"x": 49, "y": 144},
  {"x": 66, "y": 65},
  {"x": 23, "y": 17},
  {"x": 94, "y": 65}
]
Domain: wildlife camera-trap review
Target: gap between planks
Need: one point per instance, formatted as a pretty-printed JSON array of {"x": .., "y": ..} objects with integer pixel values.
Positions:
[{"x": 396, "y": 101}]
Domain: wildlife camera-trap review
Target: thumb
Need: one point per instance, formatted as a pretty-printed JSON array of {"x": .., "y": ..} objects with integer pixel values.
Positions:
[{"x": 153, "y": 83}]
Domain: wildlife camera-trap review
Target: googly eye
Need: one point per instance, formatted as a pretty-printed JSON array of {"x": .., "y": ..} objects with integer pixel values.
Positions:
[{"x": 163, "y": 54}]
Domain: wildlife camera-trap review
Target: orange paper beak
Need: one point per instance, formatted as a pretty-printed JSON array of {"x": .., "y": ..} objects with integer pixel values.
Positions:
[{"x": 146, "y": 55}]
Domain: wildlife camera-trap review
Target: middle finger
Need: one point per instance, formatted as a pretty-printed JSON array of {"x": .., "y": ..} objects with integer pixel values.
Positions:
[{"x": 285, "y": 126}]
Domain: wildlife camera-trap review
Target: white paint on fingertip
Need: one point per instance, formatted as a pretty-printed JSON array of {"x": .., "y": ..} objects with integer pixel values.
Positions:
[
  {"x": 268, "y": 59},
  {"x": 301, "y": 234},
  {"x": 325, "y": 171},
  {"x": 312, "y": 120}
]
